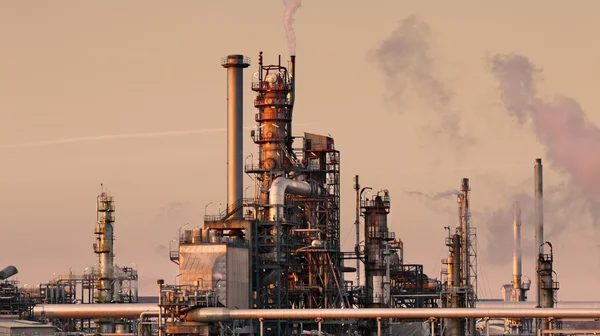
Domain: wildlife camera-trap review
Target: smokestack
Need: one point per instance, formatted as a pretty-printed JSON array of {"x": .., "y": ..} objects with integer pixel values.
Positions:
[
  {"x": 517, "y": 268},
  {"x": 539, "y": 222},
  {"x": 8, "y": 272},
  {"x": 235, "y": 65}
]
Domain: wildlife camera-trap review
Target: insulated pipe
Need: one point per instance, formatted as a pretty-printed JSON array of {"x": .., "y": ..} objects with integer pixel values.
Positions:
[
  {"x": 235, "y": 65},
  {"x": 8, "y": 272},
  {"x": 517, "y": 259},
  {"x": 499, "y": 310},
  {"x": 277, "y": 192},
  {"x": 224, "y": 314},
  {"x": 100, "y": 310}
]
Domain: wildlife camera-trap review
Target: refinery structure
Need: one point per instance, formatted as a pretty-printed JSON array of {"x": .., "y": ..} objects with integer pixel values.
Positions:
[{"x": 272, "y": 263}]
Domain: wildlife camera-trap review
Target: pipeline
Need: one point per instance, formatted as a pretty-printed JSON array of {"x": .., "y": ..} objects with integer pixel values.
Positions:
[
  {"x": 100, "y": 310},
  {"x": 133, "y": 310},
  {"x": 279, "y": 188},
  {"x": 224, "y": 314}
]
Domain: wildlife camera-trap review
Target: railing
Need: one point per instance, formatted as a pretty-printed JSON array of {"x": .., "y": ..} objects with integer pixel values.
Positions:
[
  {"x": 231, "y": 209},
  {"x": 375, "y": 233},
  {"x": 174, "y": 255},
  {"x": 272, "y": 101},
  {"x": 271, "y": 116},
  {"x": 243, "y": 60},
  {"x": 264, "y": 85},
  {"x": 385, "y": 203}
]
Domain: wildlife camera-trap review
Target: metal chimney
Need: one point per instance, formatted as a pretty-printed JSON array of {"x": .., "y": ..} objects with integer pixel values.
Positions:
[
  {"x": 539, "y": 221},
  {"x": 235, "y": 65},
  {"x": 517, "y": 265}
]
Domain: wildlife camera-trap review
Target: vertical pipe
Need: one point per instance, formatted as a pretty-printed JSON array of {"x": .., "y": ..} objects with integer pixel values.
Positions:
[
  {"x": 292, "y": 95},
  {"x": 378, "y": 326},
  {"x": 539, "y": 222},
  {"x": 517, "y": 259},
  {"x": 160, "y": 282},
  {"x": 357, "y": 225},
  {"x": 235, "y": 65},
  {"x": 261, "y": 327}
]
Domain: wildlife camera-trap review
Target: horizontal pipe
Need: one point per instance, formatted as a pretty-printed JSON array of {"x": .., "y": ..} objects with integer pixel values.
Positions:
[
  {"x": 571, "y": 331},
  {"x": 492, "y": 309},
  {"x": 100, "y": 310},
  {"x": 224, "y": 314},
  {"x": 531, "y": 304}
]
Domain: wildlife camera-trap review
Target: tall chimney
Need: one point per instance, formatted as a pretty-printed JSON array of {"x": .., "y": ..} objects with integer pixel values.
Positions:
[
  {"x": 539, "y": 222},
  {"x": 235, "y": 65},
  {"x": 517, "y": 266}
]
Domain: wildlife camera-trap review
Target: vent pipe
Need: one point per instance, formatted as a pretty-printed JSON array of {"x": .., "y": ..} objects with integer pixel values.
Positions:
[
  {"x": 235, "y": 65},
  {"x": 517, "y": 259},
  {"x": 539, "y": 222}
]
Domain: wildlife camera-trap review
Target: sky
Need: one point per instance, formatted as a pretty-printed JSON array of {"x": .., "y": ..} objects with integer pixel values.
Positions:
[{"x": 138, "y": 89}]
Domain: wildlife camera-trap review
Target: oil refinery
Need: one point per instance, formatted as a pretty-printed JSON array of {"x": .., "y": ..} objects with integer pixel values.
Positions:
[{"x": 272, "y": 263}]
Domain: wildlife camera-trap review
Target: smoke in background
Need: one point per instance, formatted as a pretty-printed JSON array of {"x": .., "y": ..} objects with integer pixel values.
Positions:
[
  {"x": 496, "y": 225},
  {"x": 572, "y": 142},
  {"x": 291, "y": 6},
  {"x": 403, "y": 58}
]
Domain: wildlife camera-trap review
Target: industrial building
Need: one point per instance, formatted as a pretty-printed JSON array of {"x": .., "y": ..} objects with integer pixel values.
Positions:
[{"x": 272, "y": 264}]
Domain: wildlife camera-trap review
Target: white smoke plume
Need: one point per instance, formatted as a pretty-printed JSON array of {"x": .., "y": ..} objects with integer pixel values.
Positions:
[
  {"x": 291, "y": 6},
  {"x": 405, "y": 61},
  {"x": 572, "y": 142},
  {"x": 436, "y": 196},
  {"x": 111, "y": 137}
]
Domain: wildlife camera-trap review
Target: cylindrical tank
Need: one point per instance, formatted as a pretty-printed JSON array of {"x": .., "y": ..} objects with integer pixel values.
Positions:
[
  {"x": 376, "y": 233},
  {"x": 187, "y": 236},
  {"x": 8, "y": 272},
  {"x": 196, "y": 235}
]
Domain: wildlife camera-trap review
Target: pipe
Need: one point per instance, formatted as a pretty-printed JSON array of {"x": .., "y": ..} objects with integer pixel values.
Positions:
[
  {"x": 235, "y": 65},
  {"x": 531, "y": 304},
  {"x": 357, "y": 227},
  {"x": 277, "y": 192},
  {"x": 224, "y": 314},
  {"x": 517, "y": 259},
  {"x": 539, "y": 222},
  {"x": 8, "y": 272},
  {"x": 100, "y": 310},
  {"x": 492, "y": 309}
]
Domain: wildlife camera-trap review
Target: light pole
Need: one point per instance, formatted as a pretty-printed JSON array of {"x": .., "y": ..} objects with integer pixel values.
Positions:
[
  {"x": 172, "y": 241},
  {"x": 245, "y": 191},
  {"x": 206, "y": 207},
  {"x": 176, "y": 277},
  {"x": 181, "y": 227}
]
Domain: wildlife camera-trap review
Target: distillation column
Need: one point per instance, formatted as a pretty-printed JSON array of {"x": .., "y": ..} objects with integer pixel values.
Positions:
[
  {"x": 104, "y": 248},
  {"x": 456, "y": 296},
  {"x": 235, "y": 65},
  {"x": 376, "y": 239}
]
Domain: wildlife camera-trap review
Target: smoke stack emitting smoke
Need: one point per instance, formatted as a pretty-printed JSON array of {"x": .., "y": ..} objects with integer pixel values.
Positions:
[
  {"x": 572, "y": 142},
  {"x": 291, "y": 6}
]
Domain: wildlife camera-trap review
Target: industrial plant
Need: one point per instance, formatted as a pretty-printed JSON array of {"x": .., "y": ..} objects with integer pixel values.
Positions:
[{"x": 272, "y": 263}]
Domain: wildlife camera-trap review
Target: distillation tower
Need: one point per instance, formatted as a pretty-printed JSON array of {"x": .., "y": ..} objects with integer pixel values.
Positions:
[
  {"x": 106, "y": 283},
  {"x": 460, "y": 268},
  {"x": 290, "y": 229}
]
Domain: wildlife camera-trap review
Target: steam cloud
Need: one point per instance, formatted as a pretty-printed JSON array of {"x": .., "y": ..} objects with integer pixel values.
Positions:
[
  {"x": 572, "y": 142},
  {"x": 437, "y": 196},
  {"x": 291, "y": 6},
  {"x": 560, "y": 203},
  {"x": 404, "y": 60}
]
